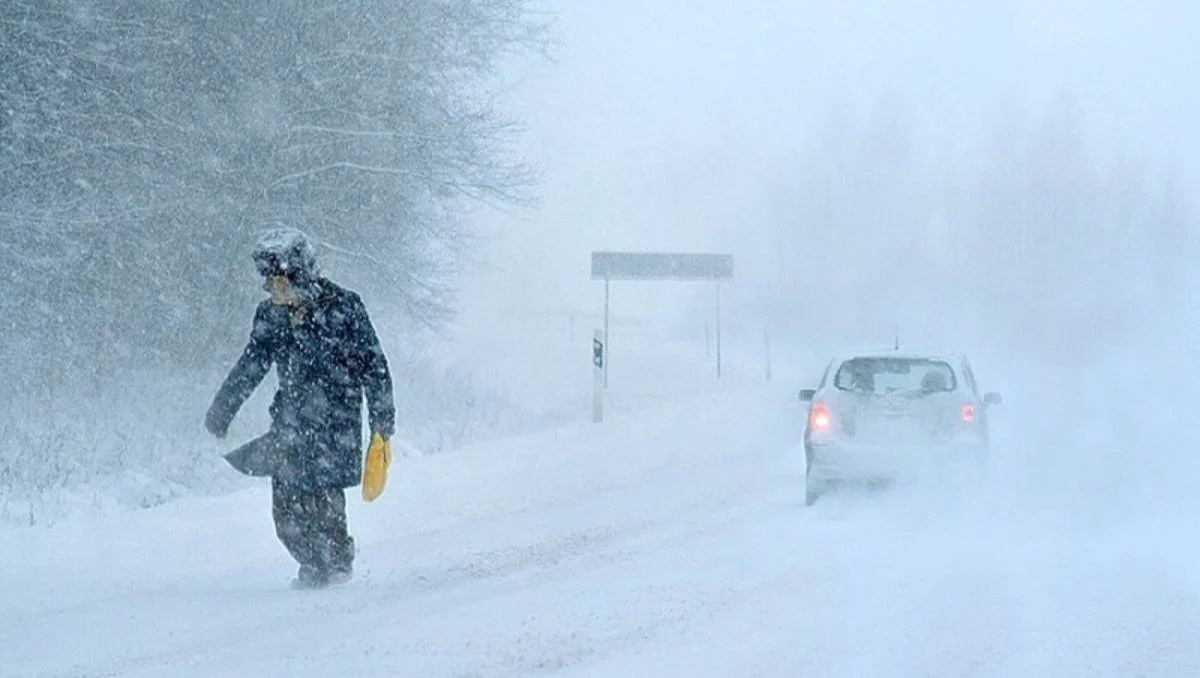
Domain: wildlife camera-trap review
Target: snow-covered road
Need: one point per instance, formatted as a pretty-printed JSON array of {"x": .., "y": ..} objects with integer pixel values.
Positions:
[{"x": 671, "y": 542}]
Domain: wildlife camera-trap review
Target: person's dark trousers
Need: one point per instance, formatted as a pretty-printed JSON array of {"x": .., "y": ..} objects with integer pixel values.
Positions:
[{"x": 312, "y": 526}]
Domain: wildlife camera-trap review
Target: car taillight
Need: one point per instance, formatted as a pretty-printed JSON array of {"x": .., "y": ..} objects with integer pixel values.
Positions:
[
  {"x": 819, "y": 419},
  {"x": 968, "y": 412}
]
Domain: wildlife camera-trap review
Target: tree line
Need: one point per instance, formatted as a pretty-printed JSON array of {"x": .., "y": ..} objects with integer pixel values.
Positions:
[
  {"x": 143, "y": 144},
  {"x": 1030, "y": 238}
]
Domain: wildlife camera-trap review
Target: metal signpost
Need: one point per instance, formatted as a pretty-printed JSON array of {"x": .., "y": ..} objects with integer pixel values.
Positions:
[
  {"x": 609, "y": 266},
  {"x": 598, "y": 370}
]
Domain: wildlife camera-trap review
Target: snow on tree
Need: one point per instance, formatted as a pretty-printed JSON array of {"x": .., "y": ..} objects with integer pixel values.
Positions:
[{"x": 143, "y": 144}]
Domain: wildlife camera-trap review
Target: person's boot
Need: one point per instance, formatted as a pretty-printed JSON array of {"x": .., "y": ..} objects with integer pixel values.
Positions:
[
  {"x": 340, "y": 575},
  {"x": 310, "y": 577}
]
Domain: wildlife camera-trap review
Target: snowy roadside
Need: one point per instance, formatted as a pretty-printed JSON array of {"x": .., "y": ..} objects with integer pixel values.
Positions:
[
  {"x": 201, "y": 582},
  {"x": 143, "y": 445},
  {"x": 667, "y": 541}
]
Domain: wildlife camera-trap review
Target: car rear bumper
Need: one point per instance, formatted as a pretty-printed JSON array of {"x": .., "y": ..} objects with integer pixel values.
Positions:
[{"x": 842, "y": 460}]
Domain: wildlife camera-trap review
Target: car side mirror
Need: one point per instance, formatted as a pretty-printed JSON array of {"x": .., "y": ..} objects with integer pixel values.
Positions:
[
  {"x": 807, "y": 394},
  {"x": 992, "y": 399}
]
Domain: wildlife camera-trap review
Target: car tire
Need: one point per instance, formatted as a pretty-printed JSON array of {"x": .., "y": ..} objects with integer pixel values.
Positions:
[{"x": 812, "y": 492}]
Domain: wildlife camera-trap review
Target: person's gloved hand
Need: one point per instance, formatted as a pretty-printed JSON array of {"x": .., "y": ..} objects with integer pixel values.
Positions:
[
  {"x": 375, "y": 468},
  {"x": 217, "y": 422}
]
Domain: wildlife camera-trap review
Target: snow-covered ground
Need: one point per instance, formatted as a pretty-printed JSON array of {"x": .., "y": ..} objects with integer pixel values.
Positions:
[
  {"x": 671, "y": 540},
  {"x": 140, "y": 441}
]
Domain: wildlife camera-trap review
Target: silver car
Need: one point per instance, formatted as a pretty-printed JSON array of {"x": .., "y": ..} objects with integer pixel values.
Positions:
[{"x": 877, "y": 416}]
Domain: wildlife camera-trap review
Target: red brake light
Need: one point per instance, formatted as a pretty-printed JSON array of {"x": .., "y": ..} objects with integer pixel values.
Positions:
[
  {"x": 819, "y": 419},
  {"x": 968, "y": 412}
]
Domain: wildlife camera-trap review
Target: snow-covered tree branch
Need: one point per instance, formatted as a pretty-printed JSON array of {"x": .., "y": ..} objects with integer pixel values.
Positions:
[{"x": 142, "y": 144}]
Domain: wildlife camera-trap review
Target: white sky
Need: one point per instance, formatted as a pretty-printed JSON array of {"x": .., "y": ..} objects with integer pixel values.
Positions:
[{"x": 662, "y": 120}]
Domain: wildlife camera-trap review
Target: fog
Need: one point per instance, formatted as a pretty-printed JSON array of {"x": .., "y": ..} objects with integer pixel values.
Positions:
[
  {"x": 1014, "y": 180},
  {"x": 1015, "y": 172}
]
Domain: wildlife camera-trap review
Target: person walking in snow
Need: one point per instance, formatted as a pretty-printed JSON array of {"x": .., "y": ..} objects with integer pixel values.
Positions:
[{"x": 327, "y": 356}]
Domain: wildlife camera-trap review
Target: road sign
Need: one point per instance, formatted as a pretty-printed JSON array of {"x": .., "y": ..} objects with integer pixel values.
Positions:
[
  {"x": 661, "y": 266},
  {"x": 609, "y": 266}
]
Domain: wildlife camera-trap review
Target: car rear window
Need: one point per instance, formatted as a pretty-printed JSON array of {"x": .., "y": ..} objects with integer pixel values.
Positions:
[{"x": 884, "y": 375}]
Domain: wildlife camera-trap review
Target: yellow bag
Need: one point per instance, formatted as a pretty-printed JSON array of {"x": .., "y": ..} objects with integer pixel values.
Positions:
[{"x": 375, "y": 469}]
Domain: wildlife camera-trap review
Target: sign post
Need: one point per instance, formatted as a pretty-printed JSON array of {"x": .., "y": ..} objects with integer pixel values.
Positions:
[
  {"x": 767, "y": 351},
  {"x": 609, "y": 266},
  {"x": 718, "y": 309},
  {"x": 598, "y": 365},
  {"x": 606, "y": 297}
]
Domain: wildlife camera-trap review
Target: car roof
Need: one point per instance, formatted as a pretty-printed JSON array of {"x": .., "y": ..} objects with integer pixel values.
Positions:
[{"x": 912, "y": 354}]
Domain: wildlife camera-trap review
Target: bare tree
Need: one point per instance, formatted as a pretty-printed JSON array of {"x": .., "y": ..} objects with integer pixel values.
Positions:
[{"x": 143, "y": 143}]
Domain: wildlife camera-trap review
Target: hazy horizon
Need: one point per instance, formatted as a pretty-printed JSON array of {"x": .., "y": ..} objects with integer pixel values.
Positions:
[
  {"x": 1017, "y": 181},
  {"x": 688, "y": 127}
]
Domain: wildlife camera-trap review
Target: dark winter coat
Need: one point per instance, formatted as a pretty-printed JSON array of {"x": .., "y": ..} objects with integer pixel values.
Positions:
[{"x": 326, "y": 356}]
